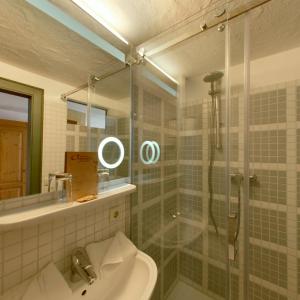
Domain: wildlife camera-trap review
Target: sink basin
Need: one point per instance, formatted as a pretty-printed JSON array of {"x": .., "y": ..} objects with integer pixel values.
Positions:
[{"x": 134, "y": 282}]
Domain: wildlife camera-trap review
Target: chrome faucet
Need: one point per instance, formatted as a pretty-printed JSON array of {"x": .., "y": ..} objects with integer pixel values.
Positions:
[{"x": 81, "y": 267}]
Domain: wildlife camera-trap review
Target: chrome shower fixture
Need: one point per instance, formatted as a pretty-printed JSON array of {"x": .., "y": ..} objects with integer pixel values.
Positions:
[
  {"x": 215, "y": 139},
  {"x": 213, "y": 78},
  {"x": 221, "y": 27},
  {"x": 203, "y": 27}
]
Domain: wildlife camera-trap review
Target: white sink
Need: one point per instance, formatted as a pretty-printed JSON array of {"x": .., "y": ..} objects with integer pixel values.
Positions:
[
  {"x": 134, "y": 282},
  {"x": 131, "y": 283}
]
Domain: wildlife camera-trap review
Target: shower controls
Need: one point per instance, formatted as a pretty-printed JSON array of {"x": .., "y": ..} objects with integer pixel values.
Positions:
[
  {"x": 175, "y": 215},
  {"x": 253, "y": 179},
  {"x": 149, "y": 152},
  {"x": 236, "y": 178}
]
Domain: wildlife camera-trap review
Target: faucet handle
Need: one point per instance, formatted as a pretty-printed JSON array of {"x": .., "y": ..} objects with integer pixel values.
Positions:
[
  {"x": 81, "y": 254},
  {"x": 81, "y": 265}
]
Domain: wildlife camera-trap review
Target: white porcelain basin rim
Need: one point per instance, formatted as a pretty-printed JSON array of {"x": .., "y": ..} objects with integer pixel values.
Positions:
[
  {"x": 152, "y": 274},
  {"x": 136, "y": 283}
]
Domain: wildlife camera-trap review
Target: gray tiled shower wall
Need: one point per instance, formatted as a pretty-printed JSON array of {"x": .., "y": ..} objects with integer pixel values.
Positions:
[
  {"x": 153, "y": 227},
  {"x": 201, "y": 251},
  {"x": 274, "y": 214},
  {"x": 179, "y": 183},
  {"x": 274, "y": 197}
]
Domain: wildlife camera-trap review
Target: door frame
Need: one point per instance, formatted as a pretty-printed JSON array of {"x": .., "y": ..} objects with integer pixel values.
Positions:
[{"x": 35, "y": 128}]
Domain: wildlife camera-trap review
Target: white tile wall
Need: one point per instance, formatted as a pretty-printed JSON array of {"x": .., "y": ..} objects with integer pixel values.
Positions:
[
  {"x": 24, "y": 251},
  {"x": 54, "y": 138}
]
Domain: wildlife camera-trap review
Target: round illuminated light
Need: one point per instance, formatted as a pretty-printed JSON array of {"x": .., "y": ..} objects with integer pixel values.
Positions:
[
  {"x": 102, "y": 144},
  {"x": 152, "y": 152},
  {"x": 148, "y": 146},
  {"x": 157, "y": 152}
]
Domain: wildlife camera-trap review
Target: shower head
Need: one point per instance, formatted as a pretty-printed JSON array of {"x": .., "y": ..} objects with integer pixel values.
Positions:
[{"x": 213, "y": 76}]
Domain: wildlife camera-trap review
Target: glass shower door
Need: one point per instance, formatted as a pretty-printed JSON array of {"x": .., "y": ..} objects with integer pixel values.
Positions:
[
  {"x": 237, "y": 177},
  {"x": 154, "y": 205},
  {"x": 202, "y": 152},
  {"x": 179, "y": 212},
  {"x": 219, "y": 210}
]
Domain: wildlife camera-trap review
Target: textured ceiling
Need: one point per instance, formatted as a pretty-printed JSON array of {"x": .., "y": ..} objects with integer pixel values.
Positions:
[
  {"x": 139, "y": 20},
  {"x": 36, "y": 42},
  {"x": 32, "y": 40},
  {"x": 274, "y": 27}
]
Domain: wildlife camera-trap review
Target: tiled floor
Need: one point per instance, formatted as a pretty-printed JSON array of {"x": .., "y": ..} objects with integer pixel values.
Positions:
[{"x": 184, "y": 291}]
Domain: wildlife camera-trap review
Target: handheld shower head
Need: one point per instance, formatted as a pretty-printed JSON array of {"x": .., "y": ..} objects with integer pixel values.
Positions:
[
  {"x": 215, "y": 142},
  {"x": 213, "y": 76}
]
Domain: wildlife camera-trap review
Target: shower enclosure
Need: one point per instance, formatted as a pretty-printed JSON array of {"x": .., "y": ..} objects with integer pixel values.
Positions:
[{"x": 217, "y": 202}]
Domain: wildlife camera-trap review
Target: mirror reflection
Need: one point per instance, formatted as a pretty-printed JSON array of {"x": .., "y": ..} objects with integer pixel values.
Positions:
[
  {"x": 57, "y": 95},
  {"x": 14, "y": 134}
]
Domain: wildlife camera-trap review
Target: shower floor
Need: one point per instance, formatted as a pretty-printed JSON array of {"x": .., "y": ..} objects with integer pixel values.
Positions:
[{"x": 184, "y": 291}]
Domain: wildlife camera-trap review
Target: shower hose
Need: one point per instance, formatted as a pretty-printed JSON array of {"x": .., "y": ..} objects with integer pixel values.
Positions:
[{"x": 211, "y": 166}]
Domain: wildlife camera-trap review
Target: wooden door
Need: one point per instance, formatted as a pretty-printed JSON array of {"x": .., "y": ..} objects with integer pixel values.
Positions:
[{"x": 13, "y": 159}]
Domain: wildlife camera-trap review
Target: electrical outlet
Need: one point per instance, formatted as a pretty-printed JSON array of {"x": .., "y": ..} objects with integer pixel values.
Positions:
[{"x": 114, "y": 213}]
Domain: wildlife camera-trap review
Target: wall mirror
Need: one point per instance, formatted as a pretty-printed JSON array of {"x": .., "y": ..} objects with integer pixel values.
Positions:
[
  {"x": 57, "y": 94},
  {"x": 21, "y": 119}
]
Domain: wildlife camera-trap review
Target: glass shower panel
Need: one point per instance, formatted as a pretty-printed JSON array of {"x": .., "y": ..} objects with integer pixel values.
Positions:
[
  {"x": 202, "y": 165},
  {"x": 109, "y": 119},
  {"x": 274, "y": 140},
  {"x": 207, "y": 91},
  {"x": 219, "y": 211},
  {"x": 237, "y": 173},
  {"x": 180, "y": 210},
  {"x": 154, "y": 205},
  {"x": 77, "y": 127}
]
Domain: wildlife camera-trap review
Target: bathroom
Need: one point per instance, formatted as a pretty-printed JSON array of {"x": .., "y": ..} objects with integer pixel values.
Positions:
[{"x": 184, "y": 119}]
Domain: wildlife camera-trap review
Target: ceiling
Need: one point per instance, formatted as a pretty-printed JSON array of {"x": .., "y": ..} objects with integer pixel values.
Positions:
[
  {"x": 139, "y": 20},
  {"x": 274, "y": 27},
  {"x": 32, "y": 40},
  {"x": 36, "y": 42}
]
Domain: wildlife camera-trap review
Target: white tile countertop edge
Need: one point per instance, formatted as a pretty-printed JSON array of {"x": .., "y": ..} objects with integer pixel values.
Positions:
[{"x": 11, "y": 219}]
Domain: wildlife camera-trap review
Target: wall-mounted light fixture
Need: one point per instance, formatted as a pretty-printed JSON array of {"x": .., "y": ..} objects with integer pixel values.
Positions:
[
  {"x": 93, "y": 8},
  {"x": 161, "y": 70},
  {"x": 149, "y": 152},
  {"x": 71, "y": 23},
  {"x": 102, "y": 144}
]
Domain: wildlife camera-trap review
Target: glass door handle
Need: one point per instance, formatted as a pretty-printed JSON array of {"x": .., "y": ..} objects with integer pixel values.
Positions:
[{"x": 232, "y": 227}]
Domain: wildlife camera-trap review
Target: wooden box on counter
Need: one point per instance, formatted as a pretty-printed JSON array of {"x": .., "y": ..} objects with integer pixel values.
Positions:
[{"x": 83, "y": 168}]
